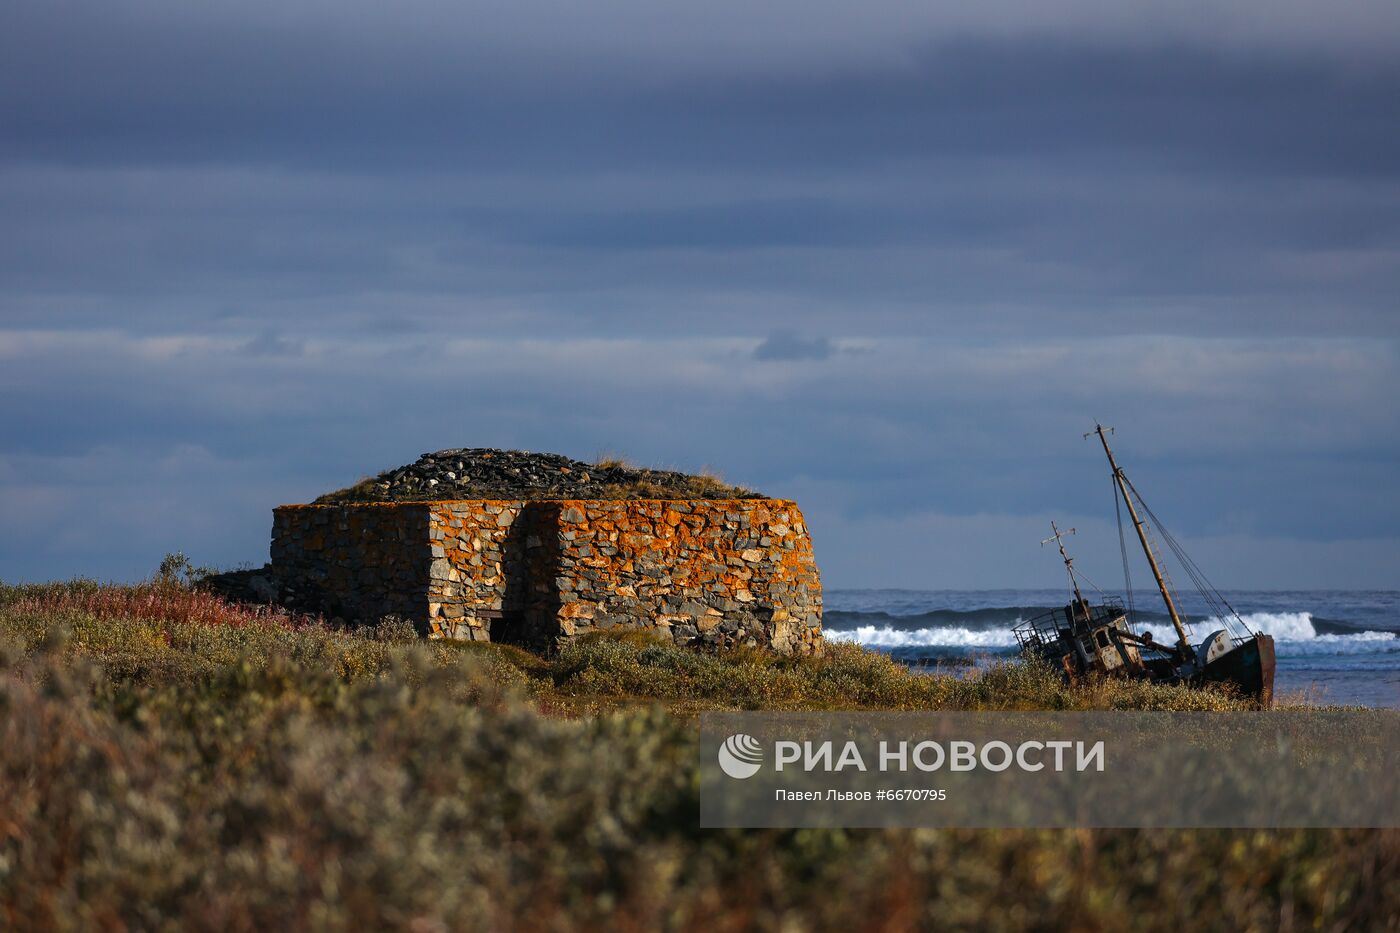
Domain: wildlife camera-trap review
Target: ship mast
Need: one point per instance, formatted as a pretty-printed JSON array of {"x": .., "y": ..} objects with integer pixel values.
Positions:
[
  {"x": 1059, "y": 538},
  {"x": 1122, "y": 482}
]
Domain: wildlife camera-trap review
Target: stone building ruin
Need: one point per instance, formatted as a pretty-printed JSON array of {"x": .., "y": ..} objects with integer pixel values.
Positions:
[{"x": 536, "y": 571}]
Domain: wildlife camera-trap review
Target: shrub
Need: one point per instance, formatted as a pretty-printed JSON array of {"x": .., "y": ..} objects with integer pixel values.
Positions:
[
  {"x": 164, "y": 770},
  {"x": 271, "y": 792}
]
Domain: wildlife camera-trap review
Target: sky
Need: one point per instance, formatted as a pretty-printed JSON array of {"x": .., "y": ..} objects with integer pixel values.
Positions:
[{"x": 889, "y": 260}]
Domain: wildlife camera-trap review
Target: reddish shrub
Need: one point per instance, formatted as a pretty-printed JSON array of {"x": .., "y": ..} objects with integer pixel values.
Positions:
[{"x": 156, "y": 601}]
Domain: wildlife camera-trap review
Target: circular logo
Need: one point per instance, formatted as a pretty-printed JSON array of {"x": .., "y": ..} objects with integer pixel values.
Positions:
[{"x": 740, "y": 756}]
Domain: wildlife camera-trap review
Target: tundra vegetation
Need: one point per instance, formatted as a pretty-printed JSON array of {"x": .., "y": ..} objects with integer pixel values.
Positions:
[{"x": 174, "y": 761}]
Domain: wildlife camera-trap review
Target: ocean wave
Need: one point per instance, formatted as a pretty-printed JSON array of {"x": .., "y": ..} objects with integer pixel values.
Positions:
[
  {"x": 1001, "y": 617},
  {"x": 1284, "y": 626},
  {"x": 887, "y": 637},
  {"x": 967, "y": 619},
  {"x": 1296, "y": 633}
]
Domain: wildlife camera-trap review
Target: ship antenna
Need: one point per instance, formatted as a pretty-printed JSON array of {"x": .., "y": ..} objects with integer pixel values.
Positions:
[
  {"x": 1122, "y": 481},
  {"x": 1059, "y": 538}
]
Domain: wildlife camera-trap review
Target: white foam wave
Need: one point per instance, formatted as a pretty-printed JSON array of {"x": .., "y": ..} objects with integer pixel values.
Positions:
[
  {"x": 1295, "y": 634},
  {"x": 1293, "y": 631},
  {"x": 1284, "y": 626},
  {"x": 885, "y": 637}
]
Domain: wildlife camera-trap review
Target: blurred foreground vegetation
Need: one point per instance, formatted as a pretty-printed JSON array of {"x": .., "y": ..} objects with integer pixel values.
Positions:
[{"x": 168, "y": 760}]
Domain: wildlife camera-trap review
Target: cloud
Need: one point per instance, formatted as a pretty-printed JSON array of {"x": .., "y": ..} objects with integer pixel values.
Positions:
[
  {"x": 957, "y": 247},
  {"x": 367, "y": 47},
  {"x": 1256, "y": 438},
  {"x": 932, "y": 550},
  {"x": 310, "y": 244},
  {"x": 269, "y": 343},
  {"x": 788, "y": 345}
]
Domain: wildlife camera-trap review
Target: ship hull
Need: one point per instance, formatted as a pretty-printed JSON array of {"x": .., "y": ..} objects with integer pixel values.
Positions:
[{"x": 1249, "y": 667}]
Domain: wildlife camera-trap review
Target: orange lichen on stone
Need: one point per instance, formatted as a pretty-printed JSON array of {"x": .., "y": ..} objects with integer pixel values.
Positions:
[{"x": 716, "y": 571}]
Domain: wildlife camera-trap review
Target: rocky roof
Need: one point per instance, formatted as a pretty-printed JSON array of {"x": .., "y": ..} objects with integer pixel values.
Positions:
[{"x": 488, "y": 473}]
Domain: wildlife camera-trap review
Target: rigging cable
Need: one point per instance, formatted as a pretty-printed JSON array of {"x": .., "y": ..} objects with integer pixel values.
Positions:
[
  {"x": 1096, "y": 587},
  {"x": 1213, "y": 598}
]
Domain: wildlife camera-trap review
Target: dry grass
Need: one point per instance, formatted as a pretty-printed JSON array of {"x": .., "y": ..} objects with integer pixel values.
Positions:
[
  {"x": 365, "y": 489},
  {"x": 171, "y": 762},
  {"x": 165, "y": 629},
  {"x": 705, "y": 485},
  {"x": 608, "y": 460}
]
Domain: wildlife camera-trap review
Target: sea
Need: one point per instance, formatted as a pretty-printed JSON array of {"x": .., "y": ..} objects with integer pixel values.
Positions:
[{"x": 1333, "y": 647}]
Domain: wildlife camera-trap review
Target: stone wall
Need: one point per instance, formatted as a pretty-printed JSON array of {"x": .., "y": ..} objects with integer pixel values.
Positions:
[
  {"x": 721, "y": 571},
  {"x": 733, "y": 571},
  {"x": 480, "y": 571},
  {"x": 356, "y": 562}
]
